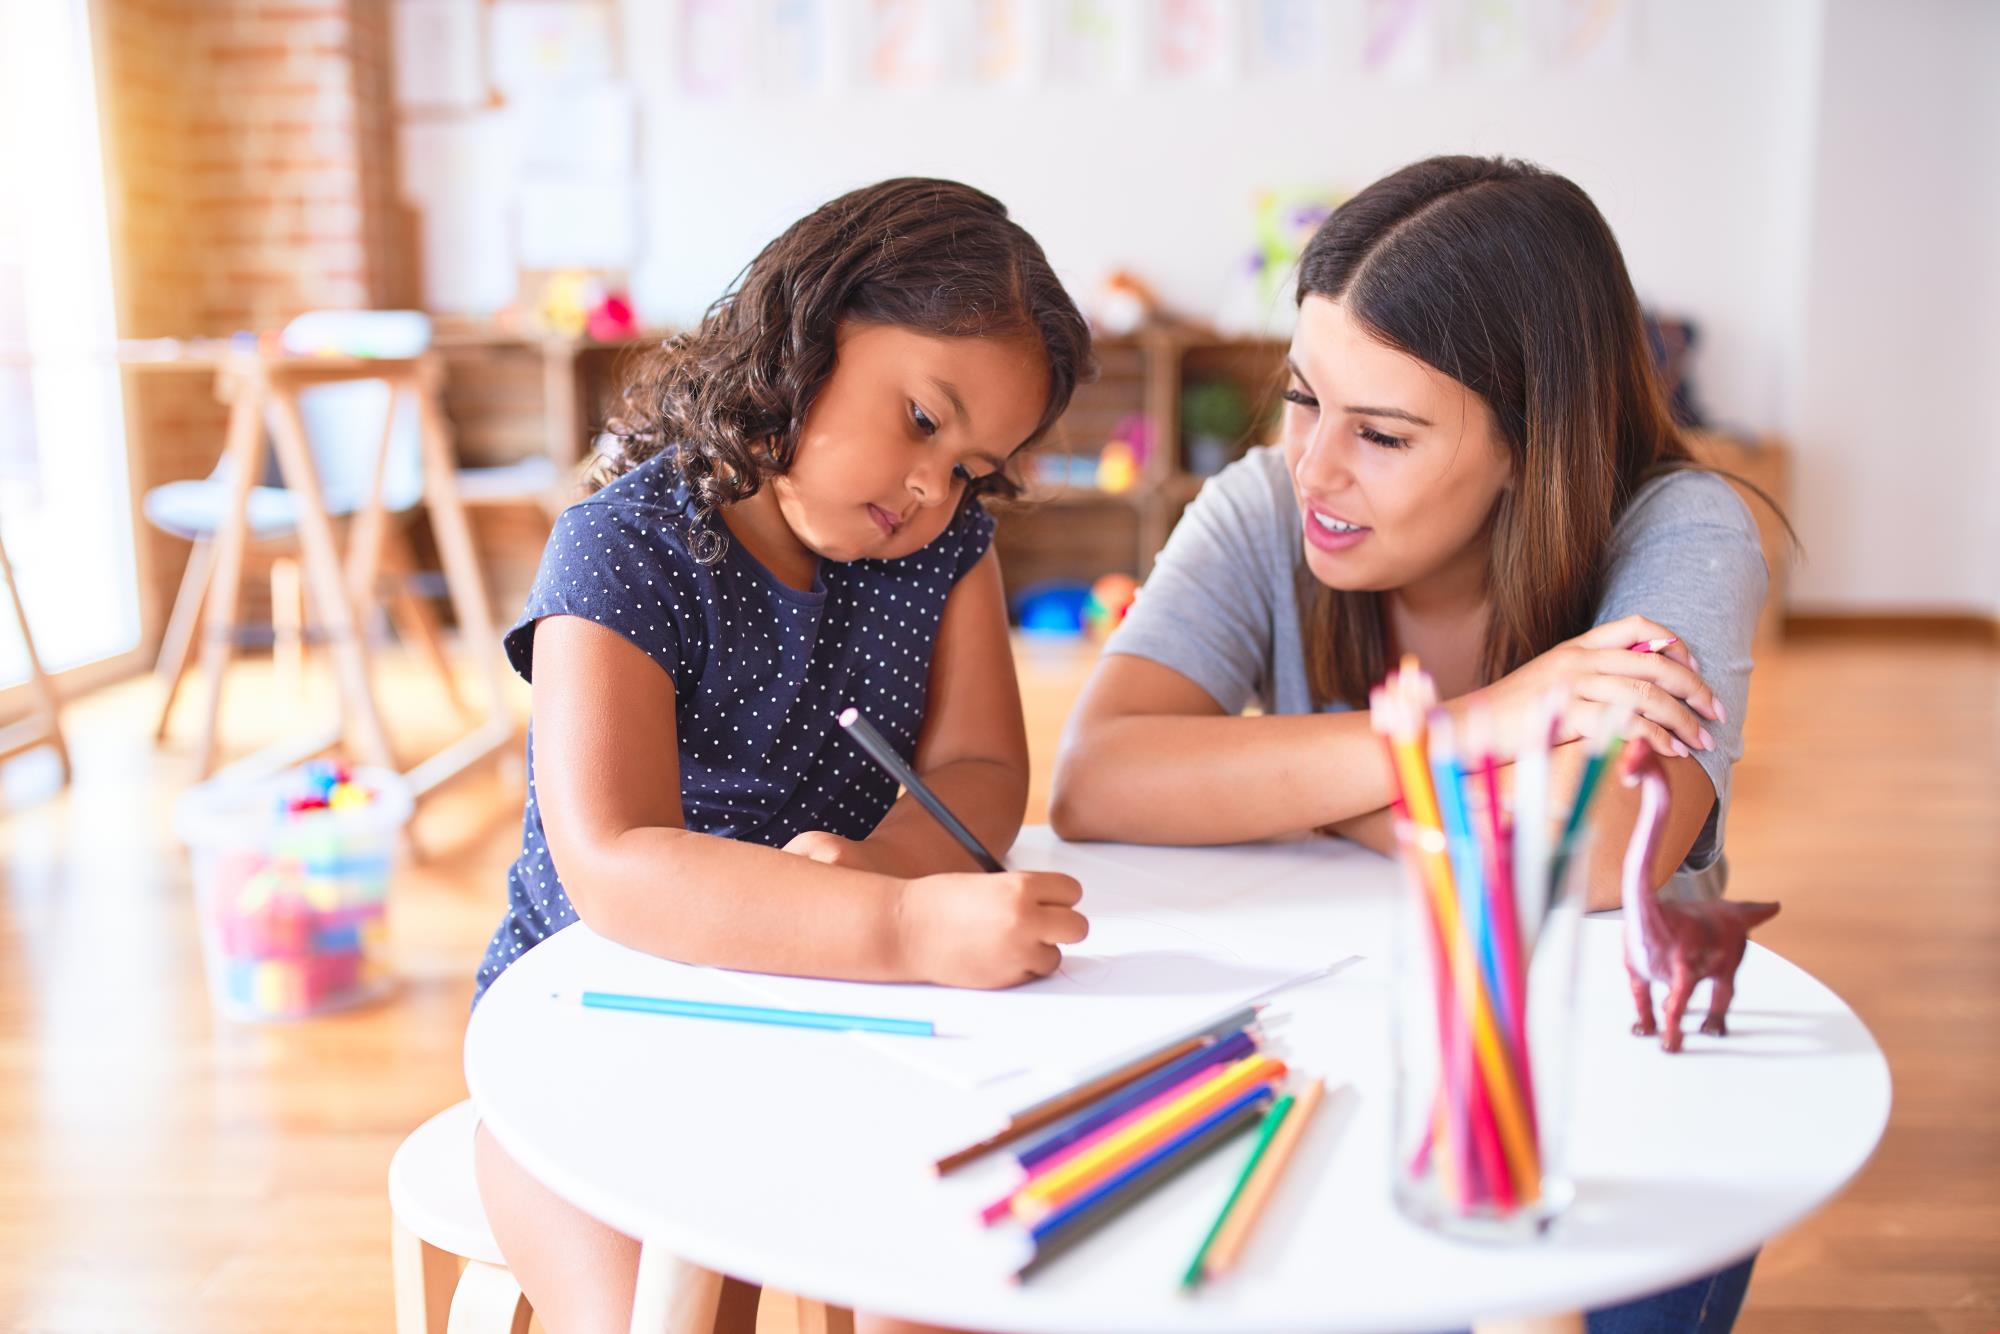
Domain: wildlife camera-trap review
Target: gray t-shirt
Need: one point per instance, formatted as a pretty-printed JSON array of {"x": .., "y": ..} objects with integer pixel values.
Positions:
[{"x": 1220, "y": 606}]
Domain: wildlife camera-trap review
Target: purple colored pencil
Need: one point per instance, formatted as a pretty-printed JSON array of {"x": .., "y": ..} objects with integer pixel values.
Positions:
[
  {"x": 1083, "y": 1216},
  {"x": 1068, "y": 1132}
]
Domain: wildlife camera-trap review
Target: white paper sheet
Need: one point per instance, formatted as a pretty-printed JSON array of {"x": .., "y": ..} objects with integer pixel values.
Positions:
[
  {"x": 581, "y": 131},
  {"x": 591, "y": 224},
  {"x": 1143, "y": 973}
]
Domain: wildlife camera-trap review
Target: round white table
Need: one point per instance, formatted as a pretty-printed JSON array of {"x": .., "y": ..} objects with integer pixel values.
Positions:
[{"x": 800, "y": 1159}]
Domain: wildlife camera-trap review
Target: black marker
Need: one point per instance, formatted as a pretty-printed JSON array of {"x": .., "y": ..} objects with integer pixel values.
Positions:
[{"x": 880, "y": 751}]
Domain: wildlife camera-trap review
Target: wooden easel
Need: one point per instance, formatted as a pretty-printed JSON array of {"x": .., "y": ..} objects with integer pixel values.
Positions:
[
  {"x": 44, "y": 726},
  {"x": 260, "y": 385}
]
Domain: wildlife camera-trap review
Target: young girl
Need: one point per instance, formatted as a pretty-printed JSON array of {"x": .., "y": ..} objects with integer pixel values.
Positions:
[
  {"x": 1477, "y": 467},
  {"x": 794, "y": 528}
]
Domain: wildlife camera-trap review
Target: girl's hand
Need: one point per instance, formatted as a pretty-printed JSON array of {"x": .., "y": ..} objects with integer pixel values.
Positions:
[
  {"x": 1664, "y": 692},
  {"x": 820, "y": 846},
  {"x": 978, "y": 930}
]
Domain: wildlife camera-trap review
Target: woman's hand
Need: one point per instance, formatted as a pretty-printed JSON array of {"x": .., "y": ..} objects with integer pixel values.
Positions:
[
  {"x": 1663, "y": 691},
  {"x": 988, "y": 931}
]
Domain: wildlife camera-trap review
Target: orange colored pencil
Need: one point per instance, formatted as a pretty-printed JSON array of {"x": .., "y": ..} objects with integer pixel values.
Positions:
[
  {"x": 1263, "y": 1182},
  {"x": 1047, "y": 1191}
]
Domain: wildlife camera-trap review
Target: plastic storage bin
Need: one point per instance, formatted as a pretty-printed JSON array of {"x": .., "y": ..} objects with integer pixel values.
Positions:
[{"x": 291, "y": 880}]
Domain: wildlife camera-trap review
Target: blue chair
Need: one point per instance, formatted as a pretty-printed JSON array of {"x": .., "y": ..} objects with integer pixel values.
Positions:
[{"x": 344, "y": 426}]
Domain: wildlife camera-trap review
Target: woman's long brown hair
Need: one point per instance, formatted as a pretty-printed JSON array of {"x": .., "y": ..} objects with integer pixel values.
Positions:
[{"x": 1506, "y": 278}]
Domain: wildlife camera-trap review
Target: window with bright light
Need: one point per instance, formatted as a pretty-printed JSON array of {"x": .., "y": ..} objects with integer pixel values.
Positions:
[{"x": 65, "y": 504}]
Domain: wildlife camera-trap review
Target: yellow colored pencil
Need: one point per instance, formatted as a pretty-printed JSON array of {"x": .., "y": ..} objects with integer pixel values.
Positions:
[
  {"x": 1263, "y": 1182},
  {"x": 1468, "y": 983},
  {"x": 1063, "y": 1182}
]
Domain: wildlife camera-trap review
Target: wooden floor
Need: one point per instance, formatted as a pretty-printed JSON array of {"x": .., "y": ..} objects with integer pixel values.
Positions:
[{"x": 160, "y": 1170}]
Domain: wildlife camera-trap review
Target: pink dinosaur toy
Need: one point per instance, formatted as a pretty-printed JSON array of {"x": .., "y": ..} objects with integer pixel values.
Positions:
[{"x": 1677, "y": 943}]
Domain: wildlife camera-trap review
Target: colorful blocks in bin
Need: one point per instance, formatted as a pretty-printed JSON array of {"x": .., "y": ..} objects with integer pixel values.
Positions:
[{"x": 282, "y": 988}]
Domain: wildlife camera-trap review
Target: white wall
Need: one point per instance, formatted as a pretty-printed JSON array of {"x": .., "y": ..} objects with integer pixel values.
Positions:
[
  {"x": 1678, "y": 151},
  {"x": 1897, "y": 404},
  {"x": 1815, "y": 182}
]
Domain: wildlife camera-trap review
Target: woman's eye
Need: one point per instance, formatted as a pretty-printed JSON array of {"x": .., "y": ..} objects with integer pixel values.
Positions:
[
  {"x": 1375, "y": 437},
  {"x": 1300, "y": 397},
  {"x": 923, "y": 420},
  {"x": 965, "y": 476}
]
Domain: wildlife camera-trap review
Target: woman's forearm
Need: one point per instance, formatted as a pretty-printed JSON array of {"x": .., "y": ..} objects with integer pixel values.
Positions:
[
  {"x": 703, "y": 899},
  {"x": 1150, "y": 778}
]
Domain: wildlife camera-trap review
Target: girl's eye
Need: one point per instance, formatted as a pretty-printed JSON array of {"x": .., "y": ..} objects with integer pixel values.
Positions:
[
  {"x": 970, "y": 479},
  {"x": 923, "y": 420},
  {"x": 1375, "y": 437},
  {"x": 1300, "y": 397}
]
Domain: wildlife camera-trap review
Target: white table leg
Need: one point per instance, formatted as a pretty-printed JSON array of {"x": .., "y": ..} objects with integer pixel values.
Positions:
[{"x": 673, "y": 1296}]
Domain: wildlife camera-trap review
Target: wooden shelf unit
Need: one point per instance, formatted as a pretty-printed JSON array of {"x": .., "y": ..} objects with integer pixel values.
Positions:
[{"x": 1071, "y": 532}]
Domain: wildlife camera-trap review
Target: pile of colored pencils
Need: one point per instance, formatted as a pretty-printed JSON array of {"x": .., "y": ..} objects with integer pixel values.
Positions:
[
  {"x": 1486, "y": 873},
  {"x": 1087, "y": 1155}
]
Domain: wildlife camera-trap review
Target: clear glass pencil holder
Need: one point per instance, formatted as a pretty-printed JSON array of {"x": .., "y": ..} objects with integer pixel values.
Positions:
[{"x": 1483, "y": 1014}]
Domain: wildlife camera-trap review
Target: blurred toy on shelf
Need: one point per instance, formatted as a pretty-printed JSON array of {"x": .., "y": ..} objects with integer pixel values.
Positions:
[
  {"x": 1215, "y": 417},
  {"x": 1052, "y": 607},
  {"x": 1124, "y": 304},
  {"x": 1111, "y": 597},
  {"x": 578, "y": 303}
]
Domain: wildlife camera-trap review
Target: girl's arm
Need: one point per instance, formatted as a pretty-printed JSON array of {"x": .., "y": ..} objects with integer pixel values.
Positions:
[
  {"x": 607, "y": 784},
  {"x": 1150, "y": 757},
  {"x": 973, "y": 750}
]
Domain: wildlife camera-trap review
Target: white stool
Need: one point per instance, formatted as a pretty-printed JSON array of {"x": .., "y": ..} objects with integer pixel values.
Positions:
[{"x": 439, "y": 1221}]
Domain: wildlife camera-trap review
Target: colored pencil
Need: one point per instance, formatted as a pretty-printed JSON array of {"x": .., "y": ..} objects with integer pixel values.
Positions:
[
  {"x": 1653, "y": 645},
  {"x": 1049, "y": 1191},
  {"x": 757, "y": 1014},
  {"x": 885, "y": 755},
  {"x": 1604, "y": 750},
  {"x": 1467, "y": 984},
  {"x": 1050, "y": 1110},
  {"x": 1263, "y": 1183},
  {"x": 1080, "y": 1126},
  {"x": 1131, "y": 1109},
  {"x": 1273, "y": 1118},
  {"x": 1532, "y": 821},
  {"x": 1061, "y": 1231},
  {"x": 1240, "y": 1015}
]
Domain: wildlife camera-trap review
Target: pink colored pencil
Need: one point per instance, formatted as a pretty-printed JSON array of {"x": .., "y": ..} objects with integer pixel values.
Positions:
[{"x": 1653, "y": 645}]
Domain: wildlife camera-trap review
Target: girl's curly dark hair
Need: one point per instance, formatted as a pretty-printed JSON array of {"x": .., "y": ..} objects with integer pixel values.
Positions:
[{"x": 730, "y": 397}]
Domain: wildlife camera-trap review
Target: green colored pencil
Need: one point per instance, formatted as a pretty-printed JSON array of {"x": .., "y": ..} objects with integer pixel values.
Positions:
[{"x": 1272, "y": 1120}]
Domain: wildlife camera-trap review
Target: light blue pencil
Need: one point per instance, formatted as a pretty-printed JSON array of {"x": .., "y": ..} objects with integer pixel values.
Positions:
[{"x": 758, "y": 1014}]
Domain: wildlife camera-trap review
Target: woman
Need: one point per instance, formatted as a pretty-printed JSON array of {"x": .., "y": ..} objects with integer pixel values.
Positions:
[{"x": 1477, "y": 467}]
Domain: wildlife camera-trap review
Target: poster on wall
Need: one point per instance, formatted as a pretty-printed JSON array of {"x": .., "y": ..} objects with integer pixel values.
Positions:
[
  {"x": 459, "y": 174},
  {"x": 1194, "y": 40},
  {"x": 1287, "y": 37},
  {"x": 440, "y": 55},
  {"x": 792, "y": 43},
  {"x": 1399, "y": 39},
  {"x": 575, "y": 223},
  {"x": 546, "y": 44},
  {"x": 902, "y": 43},
  {"x": 1489, "y": 36},
  {"x": 1093, "y": 41},
  {"x": 1003, "y": 41},
  {"x": 1591, "y": 36},
  {"x": 710, "y": 39}
]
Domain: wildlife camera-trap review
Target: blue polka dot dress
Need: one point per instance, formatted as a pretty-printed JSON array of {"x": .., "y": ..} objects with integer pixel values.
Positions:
[{"x": 760, "y": 669}]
